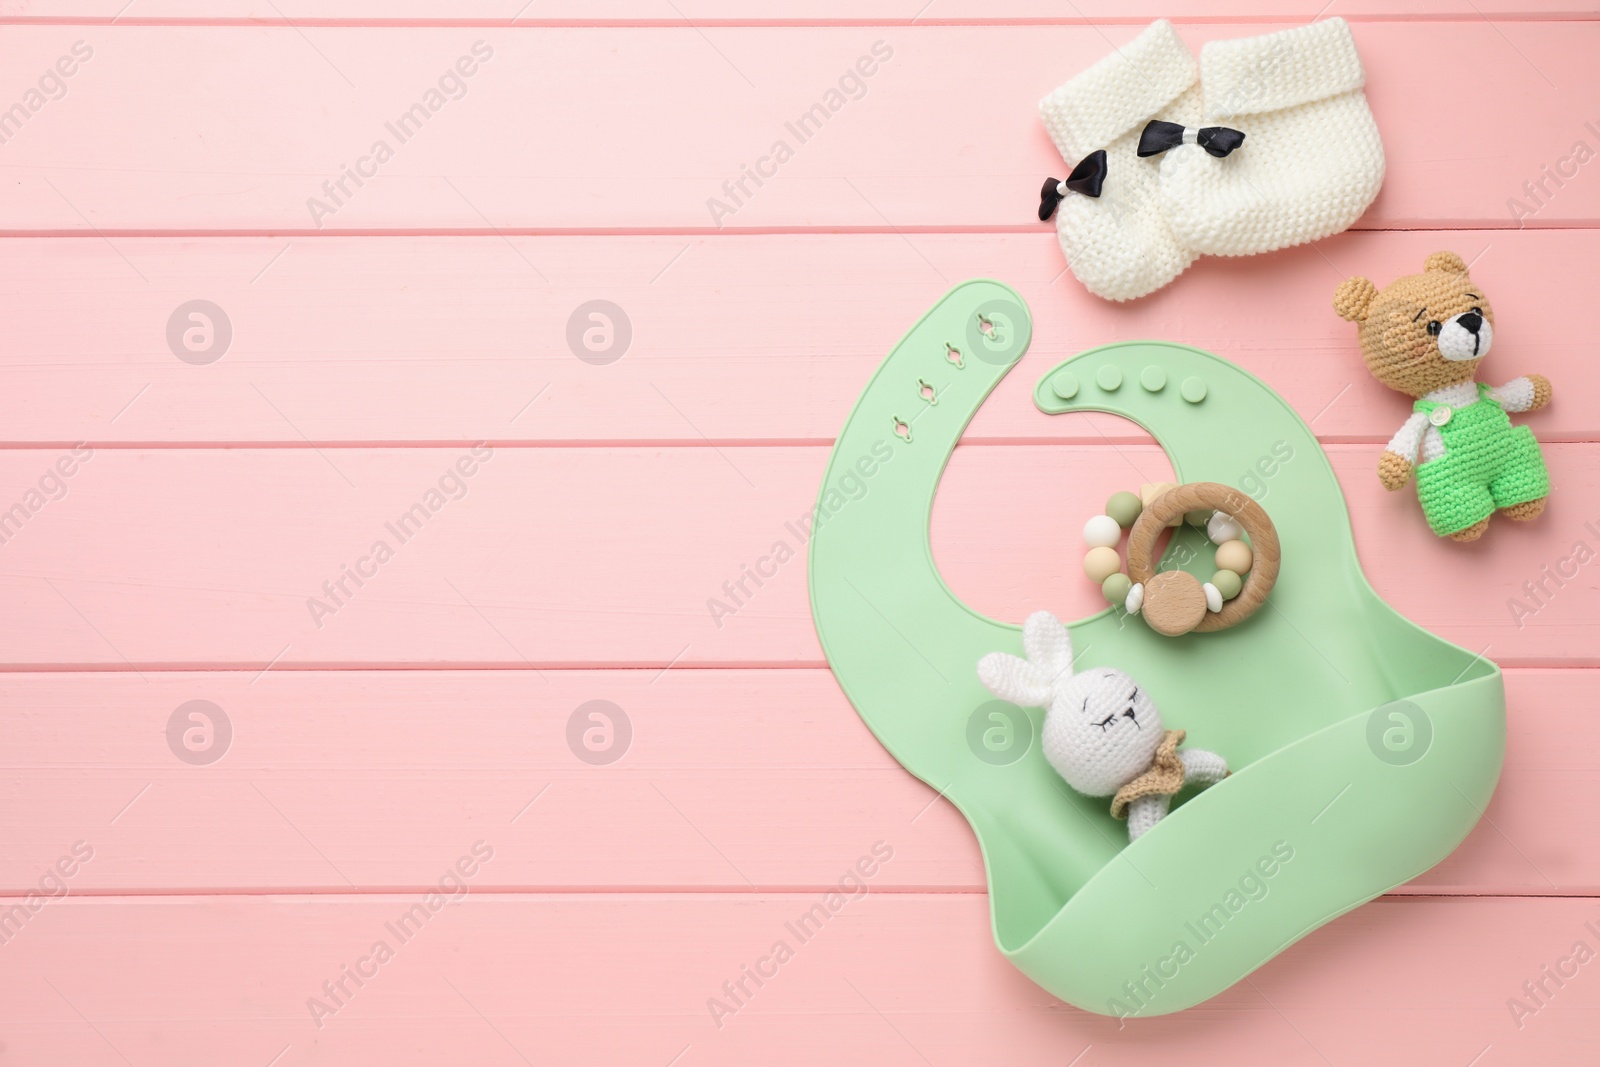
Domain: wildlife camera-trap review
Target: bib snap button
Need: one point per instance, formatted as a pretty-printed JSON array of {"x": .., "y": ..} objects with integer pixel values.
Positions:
[{"x": 1440, "y": 415}]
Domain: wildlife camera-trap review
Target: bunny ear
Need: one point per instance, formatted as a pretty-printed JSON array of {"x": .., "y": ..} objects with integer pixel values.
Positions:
[
  {"x": 1016, "y": 680},
  {"x": 1048, "y": 644}
]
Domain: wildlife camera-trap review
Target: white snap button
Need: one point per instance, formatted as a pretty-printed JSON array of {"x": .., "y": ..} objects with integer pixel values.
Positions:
[{"x": 1440, "y": 415}]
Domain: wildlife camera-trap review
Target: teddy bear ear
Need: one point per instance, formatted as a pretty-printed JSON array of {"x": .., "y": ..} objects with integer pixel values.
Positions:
[
  {"x": 1353, "y": 297},
  {"x": 1445, "y": 261}
]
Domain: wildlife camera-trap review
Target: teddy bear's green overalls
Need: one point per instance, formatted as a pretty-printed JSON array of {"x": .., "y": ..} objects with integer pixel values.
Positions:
[{"x": 1487, "y": 464}]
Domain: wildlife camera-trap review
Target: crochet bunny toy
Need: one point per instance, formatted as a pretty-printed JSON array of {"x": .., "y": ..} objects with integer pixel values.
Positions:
[
  {"x": 1102, "y": 733},
  {"x": 1424, "y": 336}
]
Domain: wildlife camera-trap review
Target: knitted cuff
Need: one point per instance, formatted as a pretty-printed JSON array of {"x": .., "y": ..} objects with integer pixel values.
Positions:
[
  {"x": 1279, "y": 70},
  {"x": 1121, "y": 90}
]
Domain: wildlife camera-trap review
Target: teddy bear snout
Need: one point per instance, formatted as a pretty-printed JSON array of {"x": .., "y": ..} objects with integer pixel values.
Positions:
[{"x": 1466, "y": 336}]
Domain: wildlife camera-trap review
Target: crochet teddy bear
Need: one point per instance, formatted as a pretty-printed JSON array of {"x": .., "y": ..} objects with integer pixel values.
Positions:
[
  {"x": 1102, "y": 733},
  {"x": 1424, "y": 336}
]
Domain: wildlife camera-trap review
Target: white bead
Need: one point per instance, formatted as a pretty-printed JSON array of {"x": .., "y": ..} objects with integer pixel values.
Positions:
[
  {"x": 1213, "y": 597},
  {"x": 1222, "y": 528},
  {"x": 1135, "y": 599},
  {"x": 1102, "y": 531}
]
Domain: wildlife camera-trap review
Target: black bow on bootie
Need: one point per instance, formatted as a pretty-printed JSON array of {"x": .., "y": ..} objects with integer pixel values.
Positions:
[
  {"x": 1159, "y": 136},
  {"x": 1086, "y": 178}
]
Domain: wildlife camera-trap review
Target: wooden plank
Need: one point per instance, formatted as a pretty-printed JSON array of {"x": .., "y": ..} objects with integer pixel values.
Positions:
[
  {"x": 721, "y": 779},
  {"x": 724, "y": 12},
  {"x": 737, "y": 339},
  {"x": 157, "y": 132},
  {"x": 180, "y": 159},
  {"x": 555, "y": 557},
  {"x": 890, "y": 978}
]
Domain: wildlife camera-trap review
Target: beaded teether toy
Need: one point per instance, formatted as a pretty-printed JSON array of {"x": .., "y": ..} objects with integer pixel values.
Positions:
[{"x": 1174, "y": 602}]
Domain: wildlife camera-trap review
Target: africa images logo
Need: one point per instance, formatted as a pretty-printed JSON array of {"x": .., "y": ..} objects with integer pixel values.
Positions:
[
  {"x": 1252, "y": 886},
  {"x": 853, "y": 484}
]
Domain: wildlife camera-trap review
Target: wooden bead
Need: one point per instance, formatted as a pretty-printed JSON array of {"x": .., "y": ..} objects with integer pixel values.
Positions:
[
  {"x": 1150, "y": 490},
  {"x": 1228, "y": 583},
  {"x": 1174, "y": 603},
  {"x": 1125, "y": 508},
  {"x": 1101, "y": 563},
  {"x": 1115, "y": 588},
  {"x": 1234, "y": 556},
  {"x": 1102, "y": 531}
]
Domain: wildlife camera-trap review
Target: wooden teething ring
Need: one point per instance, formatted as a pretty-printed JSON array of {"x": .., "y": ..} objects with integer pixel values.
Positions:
[{"x": 1171, "y": 597}]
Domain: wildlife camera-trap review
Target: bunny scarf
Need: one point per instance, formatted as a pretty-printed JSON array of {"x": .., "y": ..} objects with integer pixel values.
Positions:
[{"x": 1162, "y": 779}]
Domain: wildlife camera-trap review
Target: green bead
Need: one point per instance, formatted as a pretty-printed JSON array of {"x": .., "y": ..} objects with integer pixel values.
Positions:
[
  {"x": 1125, "y": 508},
  {"x": 1116, "y": 587},
  {"x": 1198, "y": 518},
  {"x": 1227, "y": 583}
]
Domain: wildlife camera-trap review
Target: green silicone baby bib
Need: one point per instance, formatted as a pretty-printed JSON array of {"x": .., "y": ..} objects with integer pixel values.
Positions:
[{"x": 1363, "y": 747}]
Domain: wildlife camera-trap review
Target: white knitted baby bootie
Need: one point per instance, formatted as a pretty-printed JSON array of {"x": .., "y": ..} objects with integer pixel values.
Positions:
[
  {"x": 1310, "y": 162},
  {"x": 1117, "y": 243}
]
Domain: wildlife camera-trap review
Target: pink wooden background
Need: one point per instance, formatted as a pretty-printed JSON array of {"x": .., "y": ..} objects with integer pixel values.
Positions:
[{"x": 185, "y": 913}]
